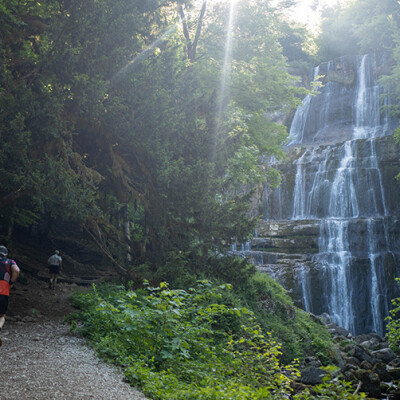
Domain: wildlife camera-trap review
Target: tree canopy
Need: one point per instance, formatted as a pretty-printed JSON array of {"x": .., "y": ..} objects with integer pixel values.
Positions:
[
  {"x": 358, "y": 27},
  {"x": 140, "y": 122}
]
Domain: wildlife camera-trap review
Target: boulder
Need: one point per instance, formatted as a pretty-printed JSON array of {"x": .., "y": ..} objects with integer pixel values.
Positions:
[
  {"x": 394, "y": 372},
  {"x": 360, "y": 353},
  {"x": 336, "y": 330},
  {"x": 370, "y": 344},
  {"x": 312, "y": 362},
  {"x": 312, "y": 375},
  {"x": 394, "y": 394},
  {"x": 351, "y": 362},
  {"x": 385, "y": 355},
  {"x": 395, "y": 363},
  {"x": 381, "y": 370},
  {"x": 366, "y": 337},
  {"x": 371, "y": 384}
]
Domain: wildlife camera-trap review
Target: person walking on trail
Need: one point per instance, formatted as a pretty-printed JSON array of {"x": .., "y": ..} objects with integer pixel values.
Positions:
[
  {"x": 9, "y": 272},
  {"x": 55, "y": 262}
]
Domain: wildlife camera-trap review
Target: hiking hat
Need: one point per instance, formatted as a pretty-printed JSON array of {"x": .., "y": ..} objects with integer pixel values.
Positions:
[{"x": 3, "y": 250}]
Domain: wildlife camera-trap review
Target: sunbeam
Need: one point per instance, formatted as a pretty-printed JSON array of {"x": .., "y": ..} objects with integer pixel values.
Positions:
[
  {"x": 226, "y": 70},
  {"x": 141, "y": 56}
]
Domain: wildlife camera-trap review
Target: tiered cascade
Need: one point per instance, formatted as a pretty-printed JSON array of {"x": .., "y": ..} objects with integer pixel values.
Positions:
[{"x": 339, "y": 198}]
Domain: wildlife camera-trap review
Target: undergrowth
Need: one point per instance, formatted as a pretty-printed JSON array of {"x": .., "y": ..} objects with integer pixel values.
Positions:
[
  {"x": 299, "y": 334},
  {"x": 190, "y": 344}
]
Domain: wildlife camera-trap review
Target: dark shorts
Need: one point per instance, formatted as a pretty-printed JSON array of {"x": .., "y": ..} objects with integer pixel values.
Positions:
[
  {"x": 54, "y": 269},
  {"x": 3, "y": 304}
]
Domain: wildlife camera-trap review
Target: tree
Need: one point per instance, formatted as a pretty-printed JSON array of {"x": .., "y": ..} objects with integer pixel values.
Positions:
[
  {"x": 359, "y": 27},
  {"x": 118, "y": 116}
]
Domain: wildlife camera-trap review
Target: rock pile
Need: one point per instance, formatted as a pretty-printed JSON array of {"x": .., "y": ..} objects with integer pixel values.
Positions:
[{"x": 365, "y": 360}]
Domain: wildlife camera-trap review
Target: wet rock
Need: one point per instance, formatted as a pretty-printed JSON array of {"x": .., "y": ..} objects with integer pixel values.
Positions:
[
  {"x": 312, "y": 375},
  {"x": 360, "y": 353},
  {"x": 385, "y": 355},
  {"x": 316, "y": 319},
  {"x": 312, "y": 362},
  {"x": 395, "y": 362},
  {"x": 336, "y": 330},
  {"x": 371, "y": 384},
  {"x": 368, "y": 337},
  {"x": 326, "y": 318},
  {"x": 381, "y": 370},
  {"x": 370, "y": 344},
  {"x": 366, "y": 365},
  {"x": 352, "y": 361},
  {"x": 382, "y": 345},
  {"x": 394, "y": 394},
  {"x": 394, "y": 372}
]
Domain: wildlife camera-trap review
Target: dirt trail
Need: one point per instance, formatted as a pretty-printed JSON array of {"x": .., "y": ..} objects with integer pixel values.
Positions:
[{"x": 41, "y": 360}]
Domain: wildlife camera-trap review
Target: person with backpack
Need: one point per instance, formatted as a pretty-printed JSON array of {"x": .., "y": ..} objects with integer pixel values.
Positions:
[
  {"x": 55, "y": 262},
  {"x": 9, "y": 272}
]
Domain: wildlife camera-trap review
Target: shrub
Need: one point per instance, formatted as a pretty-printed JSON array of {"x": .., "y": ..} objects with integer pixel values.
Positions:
[
  {"x": 393, "y": 326},
  {"x": 185, "y": 344}
]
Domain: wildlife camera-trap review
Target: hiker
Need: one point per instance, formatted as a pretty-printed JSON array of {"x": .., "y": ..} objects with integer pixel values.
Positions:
[
  {"x": 55, "y": 262},
  {"x": 9, "y": 272}
]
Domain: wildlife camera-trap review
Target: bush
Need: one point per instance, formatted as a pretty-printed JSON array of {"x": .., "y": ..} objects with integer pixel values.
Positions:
[
  {"x": 393, "y": 326},
  {"x": 300, "y": 335},
  {"x": 185, "y": 344}
]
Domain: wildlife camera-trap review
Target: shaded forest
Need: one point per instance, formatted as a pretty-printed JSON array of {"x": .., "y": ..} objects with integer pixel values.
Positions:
[
  {"x": 132, "y": 137},
  {"x": 136, "y": 128},
  {"x": 131, "y": 126}
]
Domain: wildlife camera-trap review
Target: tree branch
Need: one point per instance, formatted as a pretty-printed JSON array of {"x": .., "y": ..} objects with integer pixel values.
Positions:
[
  {"x": 103, "y": 248},
  {"x": 192, "y": 56},
  {"x": 185, "y": 30}
]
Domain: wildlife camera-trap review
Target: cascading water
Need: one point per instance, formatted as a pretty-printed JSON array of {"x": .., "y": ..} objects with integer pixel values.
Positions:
[
  {"x": 300, "y": 118},
  {"x": 341, "y": 185},
  {"x": 331, "y": 233}
]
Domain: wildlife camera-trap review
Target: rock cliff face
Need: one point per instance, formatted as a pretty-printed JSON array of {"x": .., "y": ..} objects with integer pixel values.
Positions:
[{"x": 331, "y": 232}]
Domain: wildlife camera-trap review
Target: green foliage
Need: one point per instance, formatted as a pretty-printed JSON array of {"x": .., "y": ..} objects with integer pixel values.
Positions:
[
  {"x": 103, "y": 108},
  {"x": 177, "y": 344},
  {"x": 393, "y": 324},
  {"x": 332, "y": 388},
  {"x": 391, "y": 81},
  {"x": 299, "y": 334},
  {"x": 358, "y": 27}
]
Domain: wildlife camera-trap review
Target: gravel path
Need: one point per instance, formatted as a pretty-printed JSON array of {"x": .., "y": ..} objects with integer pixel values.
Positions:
[{"x": 41, "y": 360}]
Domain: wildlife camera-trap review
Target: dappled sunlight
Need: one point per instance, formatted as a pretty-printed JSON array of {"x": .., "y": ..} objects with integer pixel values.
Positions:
[{"x": 226, "y": 68}]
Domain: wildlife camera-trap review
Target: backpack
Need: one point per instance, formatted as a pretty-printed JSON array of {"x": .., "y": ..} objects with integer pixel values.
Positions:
[{"x": 5, "y": 269}]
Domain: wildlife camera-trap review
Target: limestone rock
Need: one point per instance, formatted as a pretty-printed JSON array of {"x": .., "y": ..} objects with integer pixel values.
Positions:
[
  {"x": 312, "y": 375},
  {"x": 385, "y": 355}
]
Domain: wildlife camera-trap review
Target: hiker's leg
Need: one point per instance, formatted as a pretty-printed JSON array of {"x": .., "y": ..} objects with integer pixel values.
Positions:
[
  {"x": 2, "y": 320},
  {"x": 3, "y": 309},
  {"x": 51, "y": 277},
  {"x": 52, "y": 281}
]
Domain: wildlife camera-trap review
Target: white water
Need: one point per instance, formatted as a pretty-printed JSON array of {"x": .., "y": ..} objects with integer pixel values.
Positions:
[
  {"x": 338, "y": 184},
  {"x": 353, "y": 193},
  {"x": 300, "y": 117}
]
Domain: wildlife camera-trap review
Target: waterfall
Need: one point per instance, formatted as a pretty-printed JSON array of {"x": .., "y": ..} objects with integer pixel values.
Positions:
[
  {"x": 300, "y": 117},
  {"x": 330, "y": 233},
  {"x": 299, "y": 189},
  {"x": 341, "y": 184}
]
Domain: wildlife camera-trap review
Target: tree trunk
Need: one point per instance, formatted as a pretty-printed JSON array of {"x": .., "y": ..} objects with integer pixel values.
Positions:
[
  {"x": 127, "y": 232},
  {"x": 192, "y": 46}
]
